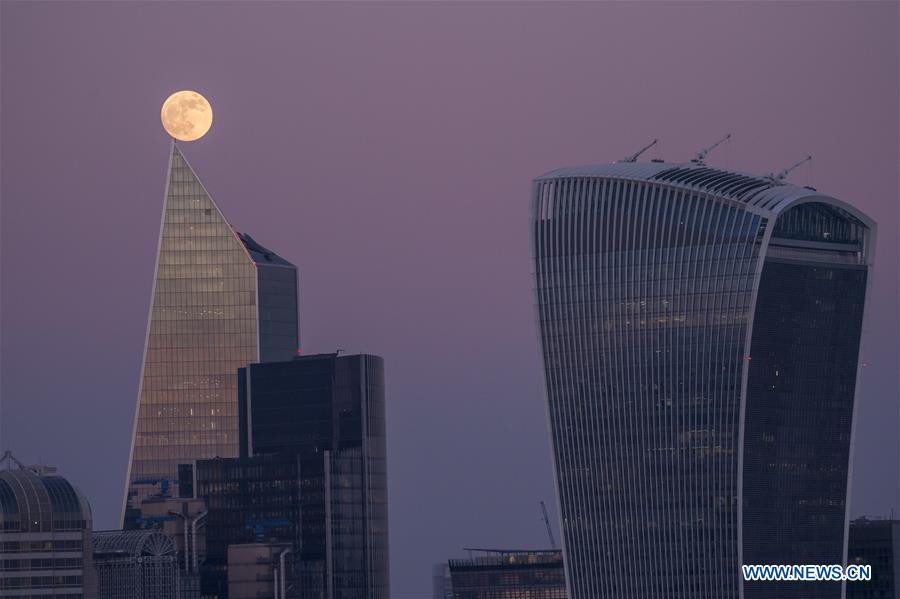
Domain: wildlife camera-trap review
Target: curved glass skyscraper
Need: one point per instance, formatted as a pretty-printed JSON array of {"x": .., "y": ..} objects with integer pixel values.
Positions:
[
  {"x": 220, "y": 301},
  {"x": 700, "y": 333}
]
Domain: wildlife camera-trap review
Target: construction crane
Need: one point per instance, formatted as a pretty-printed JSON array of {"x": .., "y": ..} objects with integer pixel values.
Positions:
[
  {"x": 547, "y": 522},
  {"x": 700, "y": 157},
  {"x": 786, "y": 171},
  {"x": 634, "y": 157}
]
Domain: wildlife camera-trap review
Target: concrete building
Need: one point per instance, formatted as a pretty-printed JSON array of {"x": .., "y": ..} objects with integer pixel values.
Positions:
[{"x": 258, "y": 570}]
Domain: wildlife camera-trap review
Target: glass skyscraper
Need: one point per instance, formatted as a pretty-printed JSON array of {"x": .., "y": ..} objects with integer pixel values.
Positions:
[
  {"x": 312, "y": 473},
  {"x": 700, "y": 333},
  {"x": 328, "y": 412},
  {"x": 220, "y": 301}
]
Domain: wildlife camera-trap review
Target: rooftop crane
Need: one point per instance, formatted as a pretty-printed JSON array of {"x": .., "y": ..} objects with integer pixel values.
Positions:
[
  {"x": 549, "y": 528},
  {"x": 700, "y": 157},
  {"x": 634, "y": 157},
  {"x": 784, "y": 172}
]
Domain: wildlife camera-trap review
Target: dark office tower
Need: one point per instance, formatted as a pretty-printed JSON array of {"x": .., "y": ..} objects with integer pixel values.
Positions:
[
  {"x": 220, "y": 301},
  {"x": 328, "y": 412},
  {"x": 499, "y": 574},
  {"x": 700, "y": 333},
  {"x": 877, "y": 544},
  {"x": 249, "y": 500}
]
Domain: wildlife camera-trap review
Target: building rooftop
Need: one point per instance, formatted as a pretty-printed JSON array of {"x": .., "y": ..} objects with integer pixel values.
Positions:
[
  {"x": 33, "y": 499},
  {"x": 758, "y": 193},
  {"x": 133, "y": 543},
  {"x": 260, "y": 254}
]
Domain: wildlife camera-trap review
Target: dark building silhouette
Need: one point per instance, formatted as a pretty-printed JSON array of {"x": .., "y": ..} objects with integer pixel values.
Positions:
[
  {"x": 312, "y": 472},
  {"x": 876, "y": 543},
  {"x": 248, "y": 500},
  {"x": 700, "y": 332},
  {"x": 45, "y": 534},
  {"x": 502, "y": 574},
  {"x": 220, "y": 301}
]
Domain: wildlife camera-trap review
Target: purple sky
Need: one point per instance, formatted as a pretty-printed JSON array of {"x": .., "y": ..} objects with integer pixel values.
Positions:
[{"x": 387, "y": 150}]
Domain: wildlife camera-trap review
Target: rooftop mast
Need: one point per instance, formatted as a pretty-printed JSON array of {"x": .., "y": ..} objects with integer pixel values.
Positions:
[{"x": 547, "y": 522}]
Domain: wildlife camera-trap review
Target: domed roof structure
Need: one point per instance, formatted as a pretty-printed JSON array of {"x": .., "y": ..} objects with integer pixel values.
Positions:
[{"x": 34, "y": 499}]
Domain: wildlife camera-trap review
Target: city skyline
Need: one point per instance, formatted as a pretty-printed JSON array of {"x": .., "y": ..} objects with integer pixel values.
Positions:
[{"x": 398, "y": 179}]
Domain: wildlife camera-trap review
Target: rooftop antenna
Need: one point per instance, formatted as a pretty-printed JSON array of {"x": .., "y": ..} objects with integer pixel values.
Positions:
[
  {"x": 634, "y": 157},
  {"x": 700, "y": 158},
  {"x": 784, "y": 172}
]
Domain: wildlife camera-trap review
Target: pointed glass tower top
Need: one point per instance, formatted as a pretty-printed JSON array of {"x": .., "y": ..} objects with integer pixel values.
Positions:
[{"x": 220, "y": 301}]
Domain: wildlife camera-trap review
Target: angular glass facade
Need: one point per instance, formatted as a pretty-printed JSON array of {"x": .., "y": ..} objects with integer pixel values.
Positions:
[
  {"x": 220, "y": 301},
  {"x": 664, "y": 304}
]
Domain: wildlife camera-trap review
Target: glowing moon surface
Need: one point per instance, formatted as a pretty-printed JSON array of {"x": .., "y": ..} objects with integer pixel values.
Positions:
[{"x": 186, "y": 115}]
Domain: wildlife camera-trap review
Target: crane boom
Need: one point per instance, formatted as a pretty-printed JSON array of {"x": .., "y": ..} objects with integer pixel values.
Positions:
[
  {"x": 784, "y": 172},
  {"x": 634, "y": 157},
  {"x": 547, "y": 522},
  {"x": 701, "y": 155}
]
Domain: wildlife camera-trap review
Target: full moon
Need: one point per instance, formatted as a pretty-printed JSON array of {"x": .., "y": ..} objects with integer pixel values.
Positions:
[{"x": 186, "y": 115}]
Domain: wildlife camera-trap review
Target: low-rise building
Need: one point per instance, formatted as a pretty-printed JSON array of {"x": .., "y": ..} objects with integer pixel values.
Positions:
[
  {"x": 45, "y": 534},
  {"x": 135, "y": 564},
  {"x": 501, "y": 574},
  {"x": 875, "y": 543}
]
